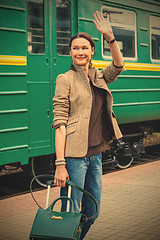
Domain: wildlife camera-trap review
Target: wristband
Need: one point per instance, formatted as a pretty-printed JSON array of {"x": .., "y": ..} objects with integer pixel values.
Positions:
[
  {"x": 112, "y": 41},
  {"x": 117, "y": 66},
  {"x": 60, "y": 160},
  {"x": 60, "y": 163}
]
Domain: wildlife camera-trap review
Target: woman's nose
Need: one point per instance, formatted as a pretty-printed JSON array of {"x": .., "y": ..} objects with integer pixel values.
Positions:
[{"x": 80, "y": 51}]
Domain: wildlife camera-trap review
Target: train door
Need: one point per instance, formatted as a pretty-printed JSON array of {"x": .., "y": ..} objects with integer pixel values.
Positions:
[
  {"x": 63, "y": 15},
  {"x": 38, "y": 78},
  {"x": 50, "y": 27}
]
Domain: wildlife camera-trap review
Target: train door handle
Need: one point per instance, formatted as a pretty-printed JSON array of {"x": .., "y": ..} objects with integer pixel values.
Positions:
[
  {"x": 54, "y": 61},
  {"x": 48, "y": 113}
]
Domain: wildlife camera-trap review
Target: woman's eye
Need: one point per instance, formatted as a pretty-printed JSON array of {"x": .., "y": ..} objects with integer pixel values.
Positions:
[{"x": 83, "y": 48}]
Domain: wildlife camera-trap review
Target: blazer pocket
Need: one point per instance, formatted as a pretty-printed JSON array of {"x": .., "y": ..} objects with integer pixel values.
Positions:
[{"x": 71, "y": 125}]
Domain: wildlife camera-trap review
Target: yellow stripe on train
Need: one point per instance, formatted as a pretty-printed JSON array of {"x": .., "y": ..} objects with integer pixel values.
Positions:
[
  {"x": 22, "y": 61},
  {"x": 129, "y": 66},
  {"x": 13, "y": 60}
]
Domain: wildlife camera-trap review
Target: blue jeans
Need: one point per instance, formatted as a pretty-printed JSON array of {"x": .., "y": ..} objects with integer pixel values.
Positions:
[{"x": 87, "y": 173}]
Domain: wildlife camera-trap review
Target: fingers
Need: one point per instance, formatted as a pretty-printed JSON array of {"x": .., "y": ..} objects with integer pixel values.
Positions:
[
  {"x": 60, "y": 182},
  {"x": 96, "y": 19},
  {"x": 98, "y": 16},
  {"x": 60, "y": 177},
  {"x": 96, "y": 24},
  {"x": 108, "y": 17}
]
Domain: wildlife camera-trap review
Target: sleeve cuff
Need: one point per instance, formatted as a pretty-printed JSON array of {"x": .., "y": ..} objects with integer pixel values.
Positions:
[{"x": 58, "y": 125}]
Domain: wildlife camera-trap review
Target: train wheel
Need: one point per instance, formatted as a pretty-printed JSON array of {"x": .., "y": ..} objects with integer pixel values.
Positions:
[
  {"x": 39, "y": 167},
  {"x": 124, "y": 161}
]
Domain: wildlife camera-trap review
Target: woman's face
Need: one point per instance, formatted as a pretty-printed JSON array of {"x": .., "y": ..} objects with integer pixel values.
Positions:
[{"x": 81, "y": 51}]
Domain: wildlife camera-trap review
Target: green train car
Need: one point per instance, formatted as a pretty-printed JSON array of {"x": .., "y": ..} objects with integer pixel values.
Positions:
[{"x": 34, "y": 37}]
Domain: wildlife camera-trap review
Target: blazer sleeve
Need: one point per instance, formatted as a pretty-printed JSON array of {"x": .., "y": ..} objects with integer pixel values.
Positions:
[
  {"x": 61, "y": 101},
  {"x": 111, "y": 72}
]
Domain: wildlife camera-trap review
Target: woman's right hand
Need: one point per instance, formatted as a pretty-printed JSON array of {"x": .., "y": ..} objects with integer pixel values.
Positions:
[{"x": 61, "y": 175}]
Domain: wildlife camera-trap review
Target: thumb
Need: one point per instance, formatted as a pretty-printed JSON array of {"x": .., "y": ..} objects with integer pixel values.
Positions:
[{"x": 108, "y": 17}]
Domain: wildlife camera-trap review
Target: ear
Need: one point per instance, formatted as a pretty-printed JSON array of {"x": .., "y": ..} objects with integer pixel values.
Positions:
[{"x": 92, "y": 51}]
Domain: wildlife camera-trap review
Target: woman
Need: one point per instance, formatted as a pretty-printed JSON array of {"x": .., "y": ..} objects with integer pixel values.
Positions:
[{"x": 83, "y": 118}]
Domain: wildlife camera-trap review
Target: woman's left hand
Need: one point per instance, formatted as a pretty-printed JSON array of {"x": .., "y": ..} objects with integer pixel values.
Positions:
[{"x": 103, "y": 25}]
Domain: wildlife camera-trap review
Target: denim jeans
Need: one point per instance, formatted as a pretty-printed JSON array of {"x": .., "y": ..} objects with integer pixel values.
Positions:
[{"x": 87, "y": 173}]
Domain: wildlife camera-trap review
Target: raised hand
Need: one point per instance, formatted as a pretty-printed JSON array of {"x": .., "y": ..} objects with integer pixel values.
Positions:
[{"x": 103, "y": 25}]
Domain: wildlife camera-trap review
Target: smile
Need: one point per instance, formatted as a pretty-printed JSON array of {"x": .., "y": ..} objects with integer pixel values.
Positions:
[{"x": 80, "y": 58}]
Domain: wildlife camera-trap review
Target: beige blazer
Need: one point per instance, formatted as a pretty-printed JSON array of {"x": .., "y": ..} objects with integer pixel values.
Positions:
[{"x": 72, "y": 105}]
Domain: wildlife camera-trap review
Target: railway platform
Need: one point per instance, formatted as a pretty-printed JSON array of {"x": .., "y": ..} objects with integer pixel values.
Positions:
[{"x": 130, "y": 207}]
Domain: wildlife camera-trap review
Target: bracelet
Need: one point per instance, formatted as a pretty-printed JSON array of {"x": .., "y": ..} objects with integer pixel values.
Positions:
[
  {"x": 60, "y": 163},
  {"x": 112, "y": 41},
  {"x": 60, "y": 160}
]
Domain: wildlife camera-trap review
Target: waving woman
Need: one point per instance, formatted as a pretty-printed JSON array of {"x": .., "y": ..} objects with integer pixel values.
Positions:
[{"x": 83, "y": 118}]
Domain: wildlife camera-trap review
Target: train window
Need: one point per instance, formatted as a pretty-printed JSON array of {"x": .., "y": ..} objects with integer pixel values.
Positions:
[
  {"x": 36, "y": 40},
  {"x": 124, "y": 27},
  {"x": 155, "y": 37},
  {"x": 63, "y": 26}
]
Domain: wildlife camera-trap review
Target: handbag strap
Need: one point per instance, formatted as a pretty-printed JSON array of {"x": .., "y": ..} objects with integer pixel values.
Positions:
[
  {"x": 35, "y": 178},
  {"x": 69, "y": 183},
  {"x": 86, "y": 193}
]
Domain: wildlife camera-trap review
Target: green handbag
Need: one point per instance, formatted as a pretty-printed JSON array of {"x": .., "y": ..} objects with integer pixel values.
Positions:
[{"x": 49, "y": 224}]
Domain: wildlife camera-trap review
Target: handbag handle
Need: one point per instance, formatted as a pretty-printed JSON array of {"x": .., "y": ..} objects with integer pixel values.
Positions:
[
  {"x": 69, "y": 183},
  {"x": 57, "y": 199}
]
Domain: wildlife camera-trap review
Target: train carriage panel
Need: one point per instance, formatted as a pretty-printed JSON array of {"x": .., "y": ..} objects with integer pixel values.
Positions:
[
  {"x": 13, "y": 92},
  {"x": 136, "y": 93}
]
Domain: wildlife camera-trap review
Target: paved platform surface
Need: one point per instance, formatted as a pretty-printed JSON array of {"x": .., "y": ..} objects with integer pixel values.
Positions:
[{"x": 130, "y": 207}]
